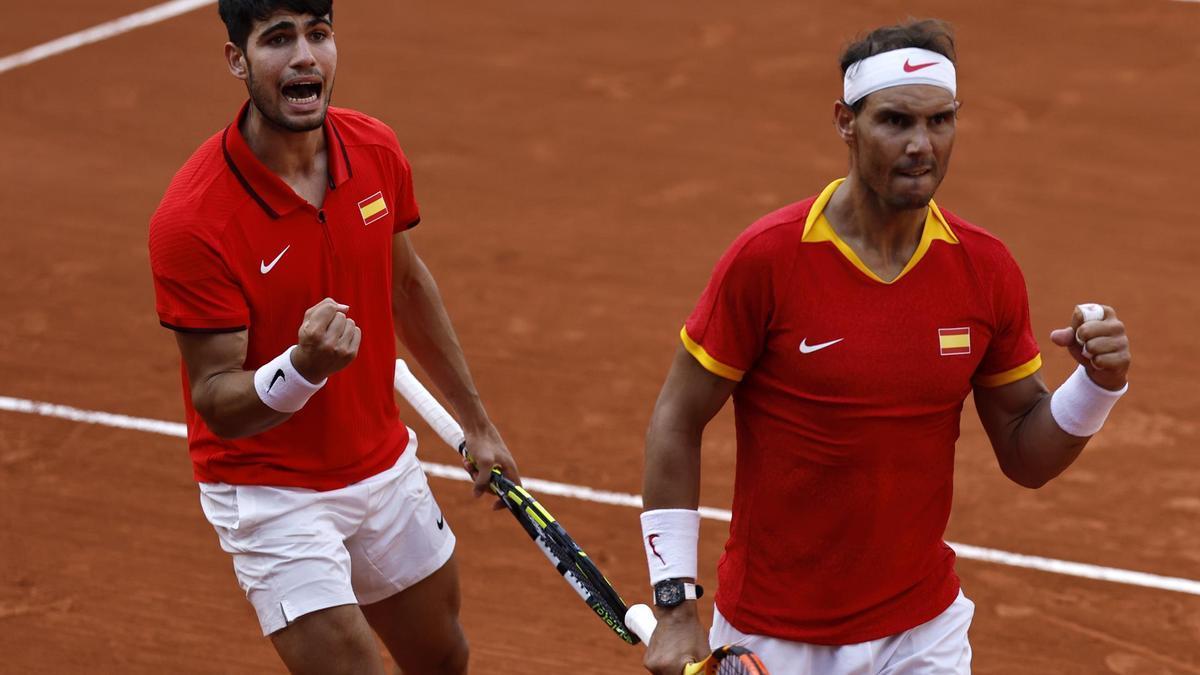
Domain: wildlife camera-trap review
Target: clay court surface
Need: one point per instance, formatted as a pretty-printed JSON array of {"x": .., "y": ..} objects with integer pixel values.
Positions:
[{"x": 580, "y": 166}]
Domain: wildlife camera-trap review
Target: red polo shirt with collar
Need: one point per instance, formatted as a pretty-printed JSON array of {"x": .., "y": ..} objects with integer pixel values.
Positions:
[
  {"x": 850, "y": 391},
  {"x": 233, "y": 248}
]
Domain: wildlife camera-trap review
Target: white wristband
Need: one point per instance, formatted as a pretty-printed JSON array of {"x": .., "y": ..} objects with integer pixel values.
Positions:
[
  {"x": 1080, "y": 406},
  {"x": 281, "y": 386},
  {"x": 670, "y": 537}
]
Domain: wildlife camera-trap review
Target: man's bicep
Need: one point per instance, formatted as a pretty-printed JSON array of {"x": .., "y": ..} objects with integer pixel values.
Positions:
[
  {"x": 692, "y": 394},
  {"x": 406, "y": 265},
  {"x": 1001, "y": 409},
  {"x": 208, "y": 354}
]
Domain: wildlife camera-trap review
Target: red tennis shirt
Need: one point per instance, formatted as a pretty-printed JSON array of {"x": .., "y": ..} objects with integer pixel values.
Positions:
[
  {"x": 233, "y": 248},
  {"x": 847, "y": 410}
]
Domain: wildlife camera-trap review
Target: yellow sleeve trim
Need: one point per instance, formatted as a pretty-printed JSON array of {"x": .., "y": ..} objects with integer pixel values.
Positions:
[
  {"x": 1009, "y": 376},
  {"x": 710, "y": 364}
]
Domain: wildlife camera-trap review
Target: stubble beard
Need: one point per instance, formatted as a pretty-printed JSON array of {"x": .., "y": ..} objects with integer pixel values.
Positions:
[
  {"x": 266, "y": 101},
  {"x": 900, "y": 201},
  {"x": 907, "y": 202}
]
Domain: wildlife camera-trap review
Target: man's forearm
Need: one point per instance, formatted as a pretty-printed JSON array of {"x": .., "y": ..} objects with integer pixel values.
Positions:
[
  {"x": 672, "y": 472},
  {"x": 689, "y": 399},
  {"x": 1037, "y": 441},
  {"x": 423, "y": 324},
  {"x": 230, "y": 406},
  {"x": 1040, "y": 449},
  {"x": 223, "y": 394}
]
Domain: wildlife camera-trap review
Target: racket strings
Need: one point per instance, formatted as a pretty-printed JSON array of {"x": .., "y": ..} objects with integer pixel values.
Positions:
[
  {"x": 738, "y": 661},
  {"x": 604, "y": 599},
  {"x": 568, "y": 558}
]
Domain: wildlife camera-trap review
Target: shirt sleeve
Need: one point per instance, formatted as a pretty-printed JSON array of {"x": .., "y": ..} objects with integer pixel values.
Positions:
[
  {"x": 1012, "y": 354},
  {"x": 727, "y": 330},
  {"x": 193, "y": 288},
  {"x": 407, "y": 212}
]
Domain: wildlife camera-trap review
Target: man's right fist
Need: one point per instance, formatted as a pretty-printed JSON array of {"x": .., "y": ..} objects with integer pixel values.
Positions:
[{"x": 328, "y": 341}]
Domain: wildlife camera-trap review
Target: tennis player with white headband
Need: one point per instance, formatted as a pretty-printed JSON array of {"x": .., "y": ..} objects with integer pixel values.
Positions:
[{"x": 849, "y": 328}]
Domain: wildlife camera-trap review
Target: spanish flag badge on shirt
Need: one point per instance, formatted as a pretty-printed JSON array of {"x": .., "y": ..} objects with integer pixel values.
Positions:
[
  {"x": 954, "y": 341},
  {"x": 373, "y": 208}
]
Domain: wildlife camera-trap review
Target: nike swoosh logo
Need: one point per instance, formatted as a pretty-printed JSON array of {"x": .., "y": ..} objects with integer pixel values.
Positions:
[
  {"x": 441, "y": 522},
  {"x": 650, "y": 540},
  {"x": 806, "y": 348},
  {"x": 278, "y": 376},
  {"x": 909, "y": 68},
  {"x": 264, "y": 267}
]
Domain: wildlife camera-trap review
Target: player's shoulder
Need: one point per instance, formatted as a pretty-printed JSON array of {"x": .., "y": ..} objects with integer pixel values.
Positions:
[
  {"x": 981, "y": 246},
  {"x": 200, "y": 200},
  {"x": 975, "y": 238},
  {"x": 786, "y": 220},
  {"x": 768, "y": 246},
  {"x": 777, "y": 232},
  {"x": 358, "y": 129}
]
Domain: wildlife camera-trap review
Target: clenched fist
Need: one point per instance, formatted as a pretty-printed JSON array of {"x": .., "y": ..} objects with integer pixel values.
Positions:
[
  {"x": 328, "y": 340},
  {"x": 1099, "y": 345}
]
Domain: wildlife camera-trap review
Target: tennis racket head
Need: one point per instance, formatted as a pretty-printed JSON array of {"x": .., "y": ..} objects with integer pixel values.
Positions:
[
  {"x": 567, "y": 556},
  {"x": 729, "y": 660}
]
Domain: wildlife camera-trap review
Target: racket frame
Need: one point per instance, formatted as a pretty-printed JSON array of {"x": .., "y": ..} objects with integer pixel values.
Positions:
[{"x": 567, "y": 557}]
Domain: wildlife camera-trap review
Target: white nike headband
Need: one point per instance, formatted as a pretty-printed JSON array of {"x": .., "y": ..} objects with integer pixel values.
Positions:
[{"x": 897, "y": 68}]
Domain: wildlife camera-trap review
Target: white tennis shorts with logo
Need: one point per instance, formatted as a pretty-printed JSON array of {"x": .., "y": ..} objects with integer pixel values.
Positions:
[
  {"x": 296, "y": 551},
  {"x": 937, "y": 647}
]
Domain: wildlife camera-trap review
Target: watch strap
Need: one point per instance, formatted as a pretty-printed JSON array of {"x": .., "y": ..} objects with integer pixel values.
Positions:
[{"x": 673, "y": 592}]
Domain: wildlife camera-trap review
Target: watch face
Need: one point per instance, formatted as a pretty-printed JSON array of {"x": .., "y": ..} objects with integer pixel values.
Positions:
[{"x": 668, "y": 595}]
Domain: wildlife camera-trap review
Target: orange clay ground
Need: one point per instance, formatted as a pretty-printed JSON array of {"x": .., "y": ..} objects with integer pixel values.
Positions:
[{"x": 580, "y": 167}]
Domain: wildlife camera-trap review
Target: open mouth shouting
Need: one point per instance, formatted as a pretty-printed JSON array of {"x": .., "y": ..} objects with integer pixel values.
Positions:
[{"x": 303, "y": 94}]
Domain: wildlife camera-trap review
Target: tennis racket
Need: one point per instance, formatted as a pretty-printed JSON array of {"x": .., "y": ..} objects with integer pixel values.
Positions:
[
  {"x": 727, "y": 660},
  {"x": 553, "y": 541}
]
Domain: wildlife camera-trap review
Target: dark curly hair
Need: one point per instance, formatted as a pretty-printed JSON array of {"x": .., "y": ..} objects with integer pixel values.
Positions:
[{"x": 239, "y": 15}]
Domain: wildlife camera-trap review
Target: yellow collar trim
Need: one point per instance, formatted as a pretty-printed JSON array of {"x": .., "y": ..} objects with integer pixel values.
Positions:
[{"x": 818, "y": 228}]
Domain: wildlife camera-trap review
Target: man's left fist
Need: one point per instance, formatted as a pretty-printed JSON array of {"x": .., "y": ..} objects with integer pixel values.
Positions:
[{"x": 1099, "y": 345}]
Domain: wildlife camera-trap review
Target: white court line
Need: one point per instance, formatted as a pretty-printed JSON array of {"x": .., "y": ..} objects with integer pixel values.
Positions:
[
  {"x": 102, "y": 31},
  {"x": 174, "y": 8},
  {"x": 116, "y": 27},
  {"x": 546, "y": 487}
]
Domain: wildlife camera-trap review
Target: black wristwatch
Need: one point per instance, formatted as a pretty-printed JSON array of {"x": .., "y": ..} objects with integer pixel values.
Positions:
[{"x": 672, "y": 592}]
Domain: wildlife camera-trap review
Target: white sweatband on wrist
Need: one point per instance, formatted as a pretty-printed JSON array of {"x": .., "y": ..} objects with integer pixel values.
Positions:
[
  {"x": 281, "y": 386},
  {"x": 1080, "y": 406},
  {"x": 896, "y": 68},
  {"x": 671, "y": 537}
]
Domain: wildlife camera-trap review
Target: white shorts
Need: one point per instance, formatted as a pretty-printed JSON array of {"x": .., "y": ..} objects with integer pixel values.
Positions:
[
  {"x": 297, "y": 550},
  {"x": 937, "y": 647}
]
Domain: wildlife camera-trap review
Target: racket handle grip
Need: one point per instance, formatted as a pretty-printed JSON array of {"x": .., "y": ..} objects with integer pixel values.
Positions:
[
  {"x": 428, "y": 408},
  {"x": 640, "y": 619}
]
